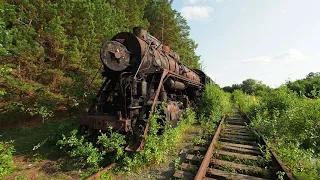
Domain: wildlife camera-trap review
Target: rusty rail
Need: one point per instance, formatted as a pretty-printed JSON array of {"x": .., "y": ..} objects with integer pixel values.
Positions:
[
  {"x": 206, "y": 161},
  {"x": 235, "y": 138},
  {"x": 99, "y": 173}
]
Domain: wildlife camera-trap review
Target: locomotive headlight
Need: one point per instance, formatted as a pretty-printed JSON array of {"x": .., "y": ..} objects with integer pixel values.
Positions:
[{"x": 115, "y": 56}]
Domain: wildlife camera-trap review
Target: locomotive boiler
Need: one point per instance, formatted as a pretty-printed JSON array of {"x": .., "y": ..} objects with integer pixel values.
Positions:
[{"x": 140, "y": 73}]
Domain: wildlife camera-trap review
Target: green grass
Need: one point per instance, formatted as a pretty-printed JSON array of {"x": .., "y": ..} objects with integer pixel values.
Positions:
[{"x": 40, "y": 142}]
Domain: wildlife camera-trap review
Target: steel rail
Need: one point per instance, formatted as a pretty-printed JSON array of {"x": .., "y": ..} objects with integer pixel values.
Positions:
[
  {"x": 99, "y": 173},
  {"x": 207, "y": 158}
]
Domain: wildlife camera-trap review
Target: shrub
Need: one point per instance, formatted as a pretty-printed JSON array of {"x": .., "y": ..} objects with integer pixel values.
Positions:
[
  {"x": 79, "y": 149},
  {"x": 291, "y": 125},
  {"x": 214, "y": 103},
  {"x": 282, "y": 114},
  {"x": 115, "y": 142},
  {"x": 243, "y": 101},
  {"x": 6, "y": 161},
  {"x": 303, "y": 162}
]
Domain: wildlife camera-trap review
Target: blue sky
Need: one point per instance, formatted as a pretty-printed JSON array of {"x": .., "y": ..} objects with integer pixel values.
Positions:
[{"x": 268, "y": 40}]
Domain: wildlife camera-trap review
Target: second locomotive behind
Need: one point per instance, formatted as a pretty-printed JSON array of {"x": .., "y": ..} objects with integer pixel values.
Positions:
[{"x": 140, "y": 72}]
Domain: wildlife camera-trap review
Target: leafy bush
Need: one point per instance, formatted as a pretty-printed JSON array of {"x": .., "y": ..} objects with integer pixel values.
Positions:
[
  {"x": 282, "y": 114},
  {"x": 304, "y": 163},
  {"x": 307, "y": 87},
  {"x": 291, "y": 124},
  {"x": 243, "y": 101},
  {"x": 77, "y": 148},
  {"x": 158, "y": 146},
  {"x": 115, "y": 142},
  {"x": 214, "y": 103},
  {"x": 6, "y": 161}
]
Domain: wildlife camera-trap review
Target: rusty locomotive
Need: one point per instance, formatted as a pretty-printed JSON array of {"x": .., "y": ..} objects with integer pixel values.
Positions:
[{"x": 140, "y": 72}]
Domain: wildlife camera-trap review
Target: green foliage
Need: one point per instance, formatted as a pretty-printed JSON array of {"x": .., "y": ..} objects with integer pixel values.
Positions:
[
  {"x": 89, "y": 153},
  {"x": 290, "y": 123},
  {"x": 77, "y": 148},
  {"x": 115, "y": 142},
  {"x": 280, "y": 175},
  {"x": 243, "y": 101},
  {"x": 214, "y": 103},
  {"x": 176, "y": 163},
  {"x": 308, "y": 87},
  {"x": 107, "y": 176},
  {"x": 41, "y": 140},
  {"x": 42, "y": 111},
  {"x": 158, "y": 146},
  {"x": 282, "y": 114},
  {"x": 169, "y": 25},
  {"x": 249, "y": 86},
  {"x": 304, "y": 163},
  {"x": 6, "y": 161}
]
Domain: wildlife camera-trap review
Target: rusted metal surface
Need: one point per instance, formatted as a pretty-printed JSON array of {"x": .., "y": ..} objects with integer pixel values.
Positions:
[
  {"x": 151, "y": 55},
  {"x": 288, "y": 174},
  {"x": 115, "y": 55},
  {"x": 99, "y": 173},
  {"x": 207, "y": 158},
  {"x": 152, "y": 110},
  {"x": 104, "y": 121}
]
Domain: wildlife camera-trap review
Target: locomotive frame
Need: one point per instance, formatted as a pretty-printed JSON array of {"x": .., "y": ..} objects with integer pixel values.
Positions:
[{"x": 140, "y": 73}]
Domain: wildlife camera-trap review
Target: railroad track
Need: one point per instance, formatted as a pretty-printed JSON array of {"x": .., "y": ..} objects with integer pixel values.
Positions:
[{"x": 235, "y": 152}]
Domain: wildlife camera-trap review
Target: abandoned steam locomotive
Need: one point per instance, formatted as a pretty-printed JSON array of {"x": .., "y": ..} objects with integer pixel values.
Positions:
[{"x": 140, "y": 72}]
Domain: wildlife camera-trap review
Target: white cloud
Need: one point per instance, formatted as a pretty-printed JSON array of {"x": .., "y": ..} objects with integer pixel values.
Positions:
[
  {"x": 243, "y": 10},
  {"x": 283, "y": 11},
  {"x": 219, "y": 1},
  {"x": 198, "y": 1},
  {"x": 193, "y": 1},
  {"x": 259, "y": 59},
  {"x": 290, "y": 55},
  {"x": 196, "y": 12}
]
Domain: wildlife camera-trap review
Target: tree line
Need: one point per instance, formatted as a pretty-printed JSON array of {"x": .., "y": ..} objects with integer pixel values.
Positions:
[{"x": 307, "y": 87}]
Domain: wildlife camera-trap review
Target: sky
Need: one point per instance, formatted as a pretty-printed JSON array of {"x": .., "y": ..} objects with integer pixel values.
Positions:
[{"x": 269, "y": 40}]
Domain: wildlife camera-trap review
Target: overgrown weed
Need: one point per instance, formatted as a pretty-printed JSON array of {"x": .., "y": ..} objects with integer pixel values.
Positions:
[
  {"x": 158, "y": 146},
  {"x": 291, "y": 126},
  {"x": 6, "y": 161}
]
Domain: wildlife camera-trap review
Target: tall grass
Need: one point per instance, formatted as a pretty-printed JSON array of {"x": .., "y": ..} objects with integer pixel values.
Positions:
[{"x": 291, "y": 124}]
